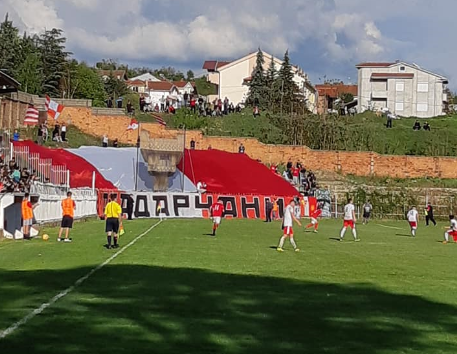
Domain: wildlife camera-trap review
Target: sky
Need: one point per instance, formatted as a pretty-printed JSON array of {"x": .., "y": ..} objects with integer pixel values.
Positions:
[{"x": 326, "y": 38}]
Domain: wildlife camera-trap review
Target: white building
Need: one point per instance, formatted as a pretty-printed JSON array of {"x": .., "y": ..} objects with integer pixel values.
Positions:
[
  {"x": 232, "y": 78},
  {"x": 145, "y": 77},
  {"x": 404, "y": 89},
  {"x": 174, "y": 91}
]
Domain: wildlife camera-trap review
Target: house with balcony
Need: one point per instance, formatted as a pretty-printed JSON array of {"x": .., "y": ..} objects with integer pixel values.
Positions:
[
  {"x": 232, "y": 78},
  {"x": 402, "y": 88}
]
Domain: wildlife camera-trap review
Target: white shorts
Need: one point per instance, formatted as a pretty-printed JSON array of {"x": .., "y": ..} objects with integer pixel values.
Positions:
[
  {"x": 28, "y": 222},
  {"x": 313, "y": 221},
  {"x": 217, "y": 220}
]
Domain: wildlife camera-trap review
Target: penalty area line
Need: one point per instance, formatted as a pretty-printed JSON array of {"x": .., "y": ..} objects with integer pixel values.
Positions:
[{"x": 11, "y": 329}]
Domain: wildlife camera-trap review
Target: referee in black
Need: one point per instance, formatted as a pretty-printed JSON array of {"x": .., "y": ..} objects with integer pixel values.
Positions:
[{"x": 113, "y": 216}]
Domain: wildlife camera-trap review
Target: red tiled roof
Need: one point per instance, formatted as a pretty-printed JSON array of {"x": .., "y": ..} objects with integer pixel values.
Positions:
[
  {"x": 374, "y": 65},
  {"x": 182, "y": 83},
  {"x": 160, "y": 85},
  {"x": 247, "y": 79},
  {"x": 334, "y": 91},
  {"x": 213, "y": 65},
  {"x": 392, "y": 75}
]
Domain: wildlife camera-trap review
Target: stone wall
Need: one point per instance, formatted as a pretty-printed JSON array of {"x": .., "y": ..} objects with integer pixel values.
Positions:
[{"x": 357, "y": 163}]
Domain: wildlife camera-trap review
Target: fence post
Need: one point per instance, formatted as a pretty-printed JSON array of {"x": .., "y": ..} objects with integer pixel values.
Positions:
[
  {"x": 11, "y": 151},
  {"x": 93, "y": 182},
  {"x": 68, "y": 179}
]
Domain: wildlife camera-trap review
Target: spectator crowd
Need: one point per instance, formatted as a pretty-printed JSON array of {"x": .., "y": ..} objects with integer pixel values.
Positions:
[
  {"x": 305, "y": 181},
  {"x": 13, "y": 179}
]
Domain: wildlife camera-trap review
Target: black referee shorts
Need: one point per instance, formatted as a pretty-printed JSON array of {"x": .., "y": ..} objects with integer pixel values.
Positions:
[
  {"x": 67, "y": 222},
  {"x": 112, "y": 225}
]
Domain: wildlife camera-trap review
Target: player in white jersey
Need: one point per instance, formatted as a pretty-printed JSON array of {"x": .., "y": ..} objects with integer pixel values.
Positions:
[
  {"x": 349, "y": 221},
  {"x": 287, "y": 223},
  {"x": 413, "y": 219},
  {"x": 452, "y": 231}
]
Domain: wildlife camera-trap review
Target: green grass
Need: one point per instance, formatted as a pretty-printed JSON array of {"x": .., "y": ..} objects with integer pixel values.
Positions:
[{"x": 179, "y": 291}]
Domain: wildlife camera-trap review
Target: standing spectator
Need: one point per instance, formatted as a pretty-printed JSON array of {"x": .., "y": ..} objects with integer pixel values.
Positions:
[
  {"x": 241, "y": 149},
  {"x": 162, "y": 104},
  {"x": 68, "y": 213},
  {"x": 63, "y": 132},
  {"x": 25, "y": 175},
  {"x": 109, "y": 102},
  {"x": 186, "y": 99},
  {"x": 256, "y": 112},
  {"x": 275, "y": 210},
  {"x": 226, "y": 105},
  {"x": 16, "y": 135},
  {"x": 119, "y": 102},
  {"x": 201, "y": 187},
  {"x": 113, "y": 216},
  {"x": 130, "y": 203},
  {"x": 296, "y": 175},
  {"x": 12, "y": 165},
  {"x": 142, "y": 103},
  {"x": 289, "y": 164},
  {"x": 105, "y": 141},
  {"x": 167, "y": 105},
  {"x": 274, "y": 169},
  {"x": 429, "y": 215},
  {"x": 268, "y": 210},
  {"x": 389, "y": 120},
  {"x": 193, "y": 103},
  {"x": 116, "y": 143},
  {"x": 40, "y": 135},
  {"x": 16, "y": 175},
  {"x": 129, "y": 108},
  {"x": 56, "y": 134},
  {"x": 192, "y": 144}
]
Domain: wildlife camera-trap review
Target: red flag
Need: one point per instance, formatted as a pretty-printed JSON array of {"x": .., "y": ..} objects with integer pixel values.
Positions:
[
  {"x": 31, "y": 116},
  {"x": 133, "y": 125},
  {"x": 54, "y": 109},
  {"x": 160, "y": 121}
]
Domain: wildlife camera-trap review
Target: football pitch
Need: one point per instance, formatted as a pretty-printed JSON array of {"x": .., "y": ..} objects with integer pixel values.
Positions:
[{"x": 174, "y": 289}]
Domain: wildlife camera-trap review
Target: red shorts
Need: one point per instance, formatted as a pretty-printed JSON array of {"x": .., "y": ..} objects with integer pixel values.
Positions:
[
  {"x": 413, "y": 224},
  {"x": 349, "y": 223},
  {"x": 454, "y": 235},
  {"x": 288, "y": 231}
]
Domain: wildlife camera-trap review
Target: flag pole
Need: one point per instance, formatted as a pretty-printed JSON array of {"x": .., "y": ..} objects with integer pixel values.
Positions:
[
  {"x": 184, "y": 159},
  {"x": 137, "y": 158}
]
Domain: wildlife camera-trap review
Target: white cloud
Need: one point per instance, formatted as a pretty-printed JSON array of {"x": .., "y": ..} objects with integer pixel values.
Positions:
[{"x": 322, "y": 35}]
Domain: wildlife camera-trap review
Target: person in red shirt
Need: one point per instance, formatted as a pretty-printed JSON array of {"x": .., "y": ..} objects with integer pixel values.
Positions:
[
  {"x": 296, "y": 175},
  {"x": 217, "y": 212},
  {"x": 314, "y": 218}
]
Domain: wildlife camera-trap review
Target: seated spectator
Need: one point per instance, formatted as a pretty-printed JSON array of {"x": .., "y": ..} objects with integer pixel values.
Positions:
[
  {"x": 427, "y": 126},
  {"x": 25, "y": 175},
  {"x": 16, "y": 175},
  {"x": 115, "y": 143},
  {"x": 156, "y": 108},
  {"x": 56, "y": 134},
  {"x": 241, "y": 149},
  {"x": 192, "y": 144},
  {"x": 417, "y": 126}
]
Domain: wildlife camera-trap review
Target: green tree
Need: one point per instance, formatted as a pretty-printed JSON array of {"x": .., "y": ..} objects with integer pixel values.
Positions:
[
  {"x": 9, "y": 47},
  {"x": 29, "y": 71},
  {"x": 257, "y": 86},
  {"x": 190, "y": 75},
  {"x": 54, "y": 59},
  {"x": 270, "y": 83},
  {"x": 287, "y": 88},
  {"x": 114, "y": 87}
]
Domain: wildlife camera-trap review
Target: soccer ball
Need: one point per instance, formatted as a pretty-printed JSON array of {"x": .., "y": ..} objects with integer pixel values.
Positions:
[{"x": 45, "y": 237}]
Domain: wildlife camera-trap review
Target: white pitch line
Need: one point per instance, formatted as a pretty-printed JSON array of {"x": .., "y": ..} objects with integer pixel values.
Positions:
[
  {"x": 391, "y": 227},
  {"x": 77, "y": 283}
]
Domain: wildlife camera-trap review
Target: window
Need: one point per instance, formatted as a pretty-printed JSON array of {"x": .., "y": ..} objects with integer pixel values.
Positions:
[
  {"x": 422, "y": 87},
  {"x": 402, "y": 68},
  {"x": 399, "y": 106},
  {"x": 422, "y": 107},
  {"x": 400, "y": 86}
]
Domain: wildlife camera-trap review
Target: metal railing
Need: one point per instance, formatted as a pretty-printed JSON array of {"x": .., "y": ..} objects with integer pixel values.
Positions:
[{"x": 43, "y": 168}]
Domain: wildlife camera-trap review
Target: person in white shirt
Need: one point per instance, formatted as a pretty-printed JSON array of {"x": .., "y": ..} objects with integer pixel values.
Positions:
[
  {"x": 452, "y": 231},
  {"x": 287, "y": 224},
  {"x": 349, "y": 221},
  {"x": 413, "y": 219}
]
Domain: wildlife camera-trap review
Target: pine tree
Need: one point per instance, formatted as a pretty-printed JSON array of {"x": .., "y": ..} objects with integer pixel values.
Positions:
[
  {"x": 54, "y": 58},
  {"x": 288, "y": 89},
  {"x": 257, "y": 88},
  {"x": 29, "y": 71},
  {"x": 270, "y": 83},
  {"x": 9, "y": 47}
]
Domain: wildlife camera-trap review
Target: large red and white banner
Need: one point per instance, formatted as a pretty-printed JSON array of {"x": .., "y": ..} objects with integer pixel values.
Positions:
[{"x": 192, "y": 205}]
